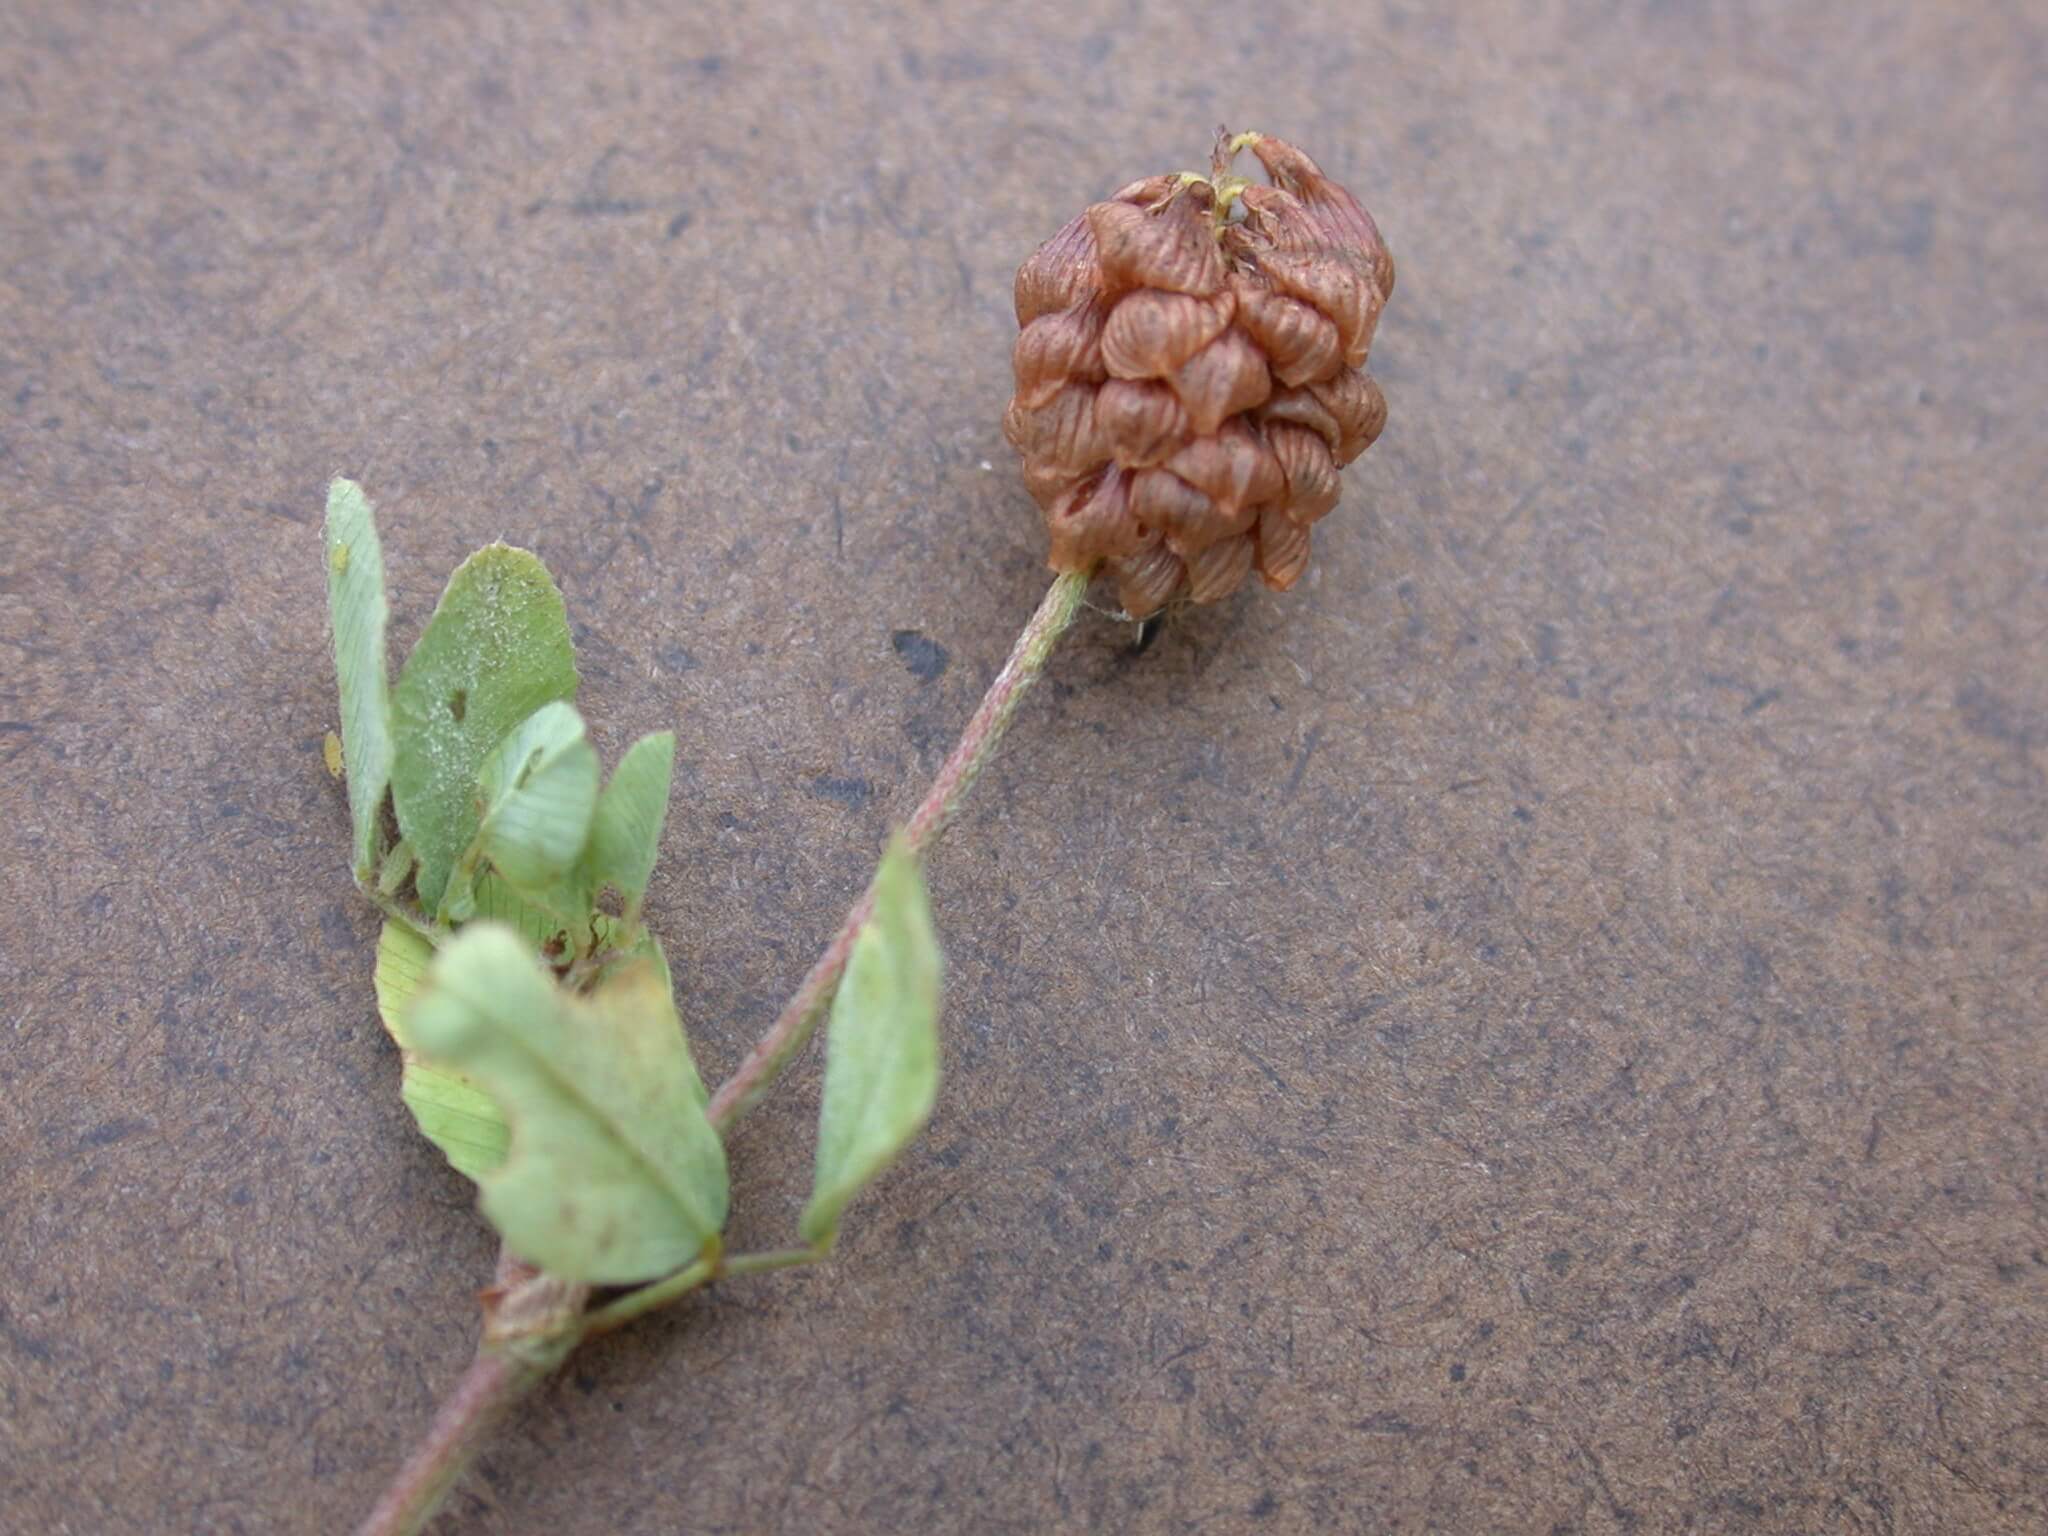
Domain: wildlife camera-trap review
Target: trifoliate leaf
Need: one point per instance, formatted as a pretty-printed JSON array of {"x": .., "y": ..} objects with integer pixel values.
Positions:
[
  {"x": 449, "y": 1110},
  {"x": 625, "y": 836},
  {"x": 496, "y": 650},
  {"x": 539, "y": 789},
  {"x": 882, "y": 1053},
  {"x": 355, "y": 603},
  {"x": 614, "y": 1174}
]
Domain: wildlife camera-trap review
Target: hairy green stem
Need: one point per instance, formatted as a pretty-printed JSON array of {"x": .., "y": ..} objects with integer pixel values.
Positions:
[
  {"x": 648, "y": 1298},
  {"x": 775, "y": 1258},
  {"x": 638, "y": 1303}
]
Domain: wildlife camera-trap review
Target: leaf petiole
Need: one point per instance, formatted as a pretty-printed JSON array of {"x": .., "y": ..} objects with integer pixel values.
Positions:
[
  {"x": 637, "y": 1303},
  {"x": 650, "y": 1298},
  {"x": 775, "y": 1258}
]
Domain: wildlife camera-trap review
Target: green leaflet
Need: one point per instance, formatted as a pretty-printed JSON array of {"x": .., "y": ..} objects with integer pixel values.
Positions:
[
  {"x": 449, "y": 1110},
  {"x": 355, "y": 603},
  {"x": 496, "y": 650},
  {"x": 882, "y": 1061},
  {"x": 527, "y": 831},
  {"x": 539, "y": 792},
  {"x": 625, "y": 836},
  {"x": 641, "y": 945},
  {"x": 496, "y": 901},
  {"x": 614, "y": 1174}
]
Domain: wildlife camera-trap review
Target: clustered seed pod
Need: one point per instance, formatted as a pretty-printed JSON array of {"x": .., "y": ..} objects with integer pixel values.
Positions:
[{"x": 1191, "y": 374}]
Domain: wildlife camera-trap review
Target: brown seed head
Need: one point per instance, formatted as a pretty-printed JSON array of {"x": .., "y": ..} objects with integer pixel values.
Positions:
[{"x": 1191, "y": 374}]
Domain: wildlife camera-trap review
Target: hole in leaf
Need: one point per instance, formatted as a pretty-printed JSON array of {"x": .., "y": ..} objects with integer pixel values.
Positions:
[{"x": 458, "y": 704}]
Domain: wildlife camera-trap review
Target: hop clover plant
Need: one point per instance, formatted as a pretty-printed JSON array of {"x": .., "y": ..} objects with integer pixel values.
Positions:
[{"x": 1190, "y": 379}]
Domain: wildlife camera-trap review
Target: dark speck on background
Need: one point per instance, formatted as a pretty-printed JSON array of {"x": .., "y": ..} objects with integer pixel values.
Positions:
[
  {"x": 850, "y": 792},
  {"x": 926, "y": 658}
]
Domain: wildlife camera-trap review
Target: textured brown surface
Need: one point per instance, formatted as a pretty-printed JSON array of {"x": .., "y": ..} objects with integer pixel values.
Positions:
[
  {"x": 1190, "y": 374},
  {"x": 1540, "y": 1028}
]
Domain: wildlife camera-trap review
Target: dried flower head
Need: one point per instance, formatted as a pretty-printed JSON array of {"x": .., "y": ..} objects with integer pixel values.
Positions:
[{"x": 1191, "y": 374}]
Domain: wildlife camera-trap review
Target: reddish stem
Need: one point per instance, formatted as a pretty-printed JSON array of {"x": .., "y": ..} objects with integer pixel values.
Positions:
[
  {"x": 743, "y": 1090},
  {"x": 480, "y": 1401}
]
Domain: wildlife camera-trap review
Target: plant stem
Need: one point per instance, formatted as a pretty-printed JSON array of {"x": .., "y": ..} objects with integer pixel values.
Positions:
[
  {"x": 529, "y": 1329},
  {"x": 635, "y": 1303},
  {"x": 500, "y": 1376},
  {"x": 638, "y": 1303},
  {"x": 743, "y": 1090},
  {"x": 761, "y": 1263},
  {"x": 486, "y": 1393}
]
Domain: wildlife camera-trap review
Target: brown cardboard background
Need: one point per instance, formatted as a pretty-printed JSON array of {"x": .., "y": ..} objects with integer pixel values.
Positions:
[{"x": 1539, "y": 1029}]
